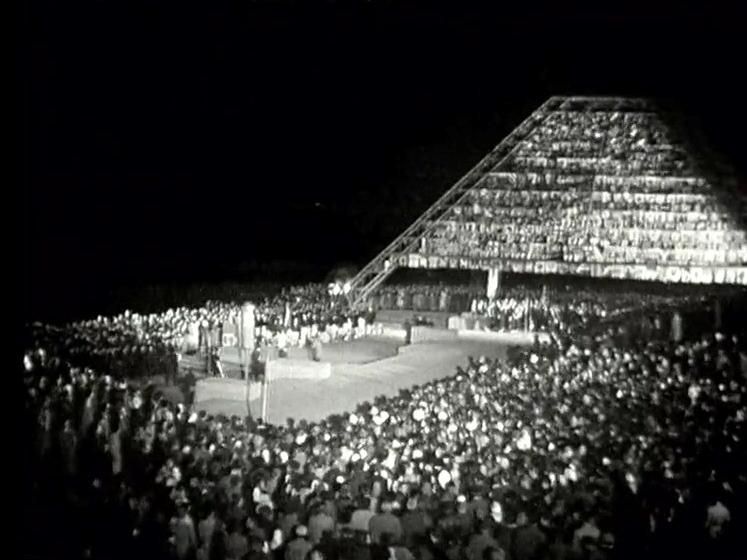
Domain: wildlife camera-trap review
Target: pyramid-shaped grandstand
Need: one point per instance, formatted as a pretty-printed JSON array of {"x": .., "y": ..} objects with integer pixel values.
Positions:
[{"x": 590, "y": 186}]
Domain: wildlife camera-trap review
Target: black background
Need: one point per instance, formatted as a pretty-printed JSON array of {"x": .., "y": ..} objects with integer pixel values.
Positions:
[{"x": 168, "y": 142}]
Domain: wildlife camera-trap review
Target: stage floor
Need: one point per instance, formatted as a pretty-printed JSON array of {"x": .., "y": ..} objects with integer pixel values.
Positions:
[
  {"x": 398, "y": 367},
  {"x": 360, "y": 351}
]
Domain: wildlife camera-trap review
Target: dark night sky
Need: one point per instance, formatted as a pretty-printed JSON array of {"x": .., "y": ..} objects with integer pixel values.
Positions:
[{"x": 163, "y": 141}]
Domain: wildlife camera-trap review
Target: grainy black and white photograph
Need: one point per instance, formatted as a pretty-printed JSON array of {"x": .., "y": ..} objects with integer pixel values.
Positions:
[{"x": 380, "y": 280}]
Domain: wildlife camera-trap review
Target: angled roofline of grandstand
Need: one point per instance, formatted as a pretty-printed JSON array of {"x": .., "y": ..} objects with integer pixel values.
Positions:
[{"x": 382, "y": 265}]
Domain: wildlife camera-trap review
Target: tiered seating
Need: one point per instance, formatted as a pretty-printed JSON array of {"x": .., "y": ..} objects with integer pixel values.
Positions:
[{"x": 595, "y": 188}]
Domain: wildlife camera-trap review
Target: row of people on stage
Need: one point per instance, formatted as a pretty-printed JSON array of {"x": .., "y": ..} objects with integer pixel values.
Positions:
[{"x": 134, "y": 344}]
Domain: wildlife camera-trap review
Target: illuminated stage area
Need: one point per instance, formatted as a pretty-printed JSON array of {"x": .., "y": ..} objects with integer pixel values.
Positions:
[{"x": 351, "y": 382}]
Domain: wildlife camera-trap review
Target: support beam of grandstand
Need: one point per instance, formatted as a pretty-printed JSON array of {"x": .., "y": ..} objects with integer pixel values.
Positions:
[{"x": 382, "y": 265}]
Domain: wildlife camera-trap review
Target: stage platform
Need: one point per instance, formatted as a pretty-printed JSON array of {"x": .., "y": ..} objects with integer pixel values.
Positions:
[
  {"x": 350, "y": 383},
  {"x": 360, "y": 351}
]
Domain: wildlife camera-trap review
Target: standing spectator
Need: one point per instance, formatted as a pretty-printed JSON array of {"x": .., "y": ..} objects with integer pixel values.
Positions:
[
  {"x": 183, "y": 531},
  {"x": 677, "y": 327},
  {"x": 528, "y": 540},
  {"x": 415, "y": 522},
  {"x": 480, "y": 542},
  {"x": 189, "y": 383},
  {"x": 172, "y": 365},
  {"x": 237, "y": 546},
  {"x": 69, "y": 451},
  {"x": 205, "y": 529},
  {"x": 717, "y": 517},
  {"x": 218, "y": 549},
  {"x": 361, "y": 515},
  {"x": 385, "y": 522},
  {"x": 216, "y": 367},
  {"x": 319, "y": 523},
  {"x": 204, "y": 337},
  {"x": 299, "y": 547}
]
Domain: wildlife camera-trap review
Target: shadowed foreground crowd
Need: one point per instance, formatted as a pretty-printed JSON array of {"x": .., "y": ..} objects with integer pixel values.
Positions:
[{"x": 596, "y": 445}]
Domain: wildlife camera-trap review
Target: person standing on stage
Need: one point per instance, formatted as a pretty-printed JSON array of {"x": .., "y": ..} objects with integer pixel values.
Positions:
[
  {"x": 282, "y": 341},
  {"x": 316, "y": 350},
  {"x": 188, "y": 387},
  {"x": 204, "y": 337},
  {"x": 215, "y": 364},
  {"x": 677, "y": 327}
]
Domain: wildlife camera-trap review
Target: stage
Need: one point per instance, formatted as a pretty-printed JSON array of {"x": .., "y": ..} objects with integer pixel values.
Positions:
[{"x": 360, "y": 371}]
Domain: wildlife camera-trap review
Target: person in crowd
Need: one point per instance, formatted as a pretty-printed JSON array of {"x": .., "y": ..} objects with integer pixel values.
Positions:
[
  {"x": 528, "y": 539},
  {"x": 183, "y": 529},
  {"x": 218, "y": 547},
  {"x": 320, "y": 522},
  {"x": 677, "y": 327},
  {"x": 216, "y": 366},
  {"x": 415, "y": 522},
  {"x": 361, "y": 515},
  {"x": 480, "y": 542},
  {"x": 237, "y": 546},
  {"x": 299, "y": 547},
  {"x": 188, "y": 386},
  {"x": 385, "y": 523},
  {"x": 205, "y": 529}
]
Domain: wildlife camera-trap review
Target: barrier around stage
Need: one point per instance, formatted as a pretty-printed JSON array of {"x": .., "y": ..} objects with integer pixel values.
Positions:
[
  {"x": 432, "y": 334},
  {"x": 504, "y": 337},
  {"x": 287, "y": 368},
  {"x": 391, "y": 330},
  {"x": 225, "y": 389}
]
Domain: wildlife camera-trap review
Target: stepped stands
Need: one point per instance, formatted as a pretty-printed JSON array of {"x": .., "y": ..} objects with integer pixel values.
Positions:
[
  {"x": 598, "y": 187},
  {"x": 602, "y": 187}
]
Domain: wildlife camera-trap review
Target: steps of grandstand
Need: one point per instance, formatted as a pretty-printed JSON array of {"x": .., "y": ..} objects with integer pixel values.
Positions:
[
  {"x": 585, "y": 186},
  {"x": 381, "y": 267}
]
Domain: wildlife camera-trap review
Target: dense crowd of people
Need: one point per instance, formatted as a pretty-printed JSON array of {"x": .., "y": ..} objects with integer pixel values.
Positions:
[
  {"x": 426, "y": 297},
  {"x": 607, "y": 442},
  {"x": 520, "y": 307},
  {"x": 599, "y": 188},
  {"x": 133, "y": 345}
]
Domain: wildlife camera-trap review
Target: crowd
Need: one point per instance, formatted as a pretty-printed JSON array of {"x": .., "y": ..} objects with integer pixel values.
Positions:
[
  {"x": 133, "y": 345},
  {"x": 519, "y": 307},
  {"x": 596, "y": 445},
  {"x": 423, "y": 297},
  {"x": 598, "y": 188}
]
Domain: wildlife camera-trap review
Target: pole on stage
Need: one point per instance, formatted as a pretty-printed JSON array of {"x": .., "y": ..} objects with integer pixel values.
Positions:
[
  {"x": 246, "y": 391},
  {"x": 246, "y": 336},
  {"x": 265, "y": 389}
]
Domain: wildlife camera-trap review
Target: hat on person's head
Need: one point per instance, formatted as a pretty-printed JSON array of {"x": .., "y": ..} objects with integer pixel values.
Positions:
[{"x": 302, "y": 531}]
